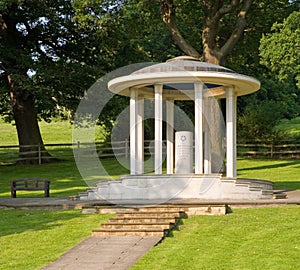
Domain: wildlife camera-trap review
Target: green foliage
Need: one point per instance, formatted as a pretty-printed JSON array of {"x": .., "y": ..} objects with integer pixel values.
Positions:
[
  {"x": 280, "y": 49},
  {"x": 246, "y": 239},
  {"x": 258, "y": 122},
  {"x": 291, "y": 127},
  {"x": 260, "y": 113},
  {"x": 33, "y": 238},
  {"x": 44, "y": 54}
]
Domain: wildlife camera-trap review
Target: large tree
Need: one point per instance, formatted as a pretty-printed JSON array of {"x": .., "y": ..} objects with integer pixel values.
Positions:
[
  {"x": 217, "y": 41},
  {"x": 211, "y": 29},
  {"x": 45, "y": 65}
]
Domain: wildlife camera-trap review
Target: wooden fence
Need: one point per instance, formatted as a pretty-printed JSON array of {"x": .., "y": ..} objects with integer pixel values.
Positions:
[
  {"x": 280, "y": 150},
  {"x": 10, "y": 154}
]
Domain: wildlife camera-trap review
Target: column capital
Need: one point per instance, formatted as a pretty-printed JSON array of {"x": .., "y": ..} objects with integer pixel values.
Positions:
[
  {"x": 198, "y": 85},
  {"x": 158, "y": 88},
  {"x": 229, "y": 89}
]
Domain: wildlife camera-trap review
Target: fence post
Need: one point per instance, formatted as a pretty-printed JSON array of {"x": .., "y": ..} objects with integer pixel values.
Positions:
[
  {"x": 126, "y": 148},
  {"x": 39, "y": 154},
  {"x": 272, "y": 150},
  {"x": 78, "y": 148}
]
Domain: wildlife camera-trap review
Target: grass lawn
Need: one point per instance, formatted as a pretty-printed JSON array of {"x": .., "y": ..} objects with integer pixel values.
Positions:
[
  {"x": 64, "y": 176},
  {"x": 285, "y": 173},
  {"x": 32, "y": 239},
  {"x": 57, "y": 131},
  {"x": 261, "y": 238}
]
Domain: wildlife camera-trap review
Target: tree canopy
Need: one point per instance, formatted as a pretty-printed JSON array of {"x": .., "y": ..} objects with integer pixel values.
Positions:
[
  {"x": 43, "y": 64},
  {"x": 52, "y": 51},
  {"x": 280, "y": 49}
]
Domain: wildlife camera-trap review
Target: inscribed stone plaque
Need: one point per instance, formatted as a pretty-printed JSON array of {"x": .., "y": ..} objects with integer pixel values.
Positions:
[{"x": 183, "y": 152}]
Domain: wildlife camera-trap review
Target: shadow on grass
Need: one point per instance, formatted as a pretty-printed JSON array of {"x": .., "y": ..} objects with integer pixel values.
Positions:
[
  {"x": 274, "y": 166},
  {"x": 287, "y": 185},
  {"x": 18, "y": 221}
]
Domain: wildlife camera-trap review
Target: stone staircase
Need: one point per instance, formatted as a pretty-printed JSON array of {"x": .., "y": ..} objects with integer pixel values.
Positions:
[
  {"x": 162, "y": 188},
  {"x": 245, "y": 188},
  {"x": 152, "y": 221}
]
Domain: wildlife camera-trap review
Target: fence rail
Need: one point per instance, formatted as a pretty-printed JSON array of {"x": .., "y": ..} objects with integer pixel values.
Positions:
[
  {"x": 291, "y": 150},
  {"x": 10, "y": 154}
]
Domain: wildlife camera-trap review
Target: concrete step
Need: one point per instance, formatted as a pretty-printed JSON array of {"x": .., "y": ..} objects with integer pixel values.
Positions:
[
  {"x": 184, "y": 209},
  {"x": 267, "y": 192},
  {"x": 160, "y": 208},
  {"x": 279, "y": 195},
  {"x": 154, "y": 221},
  {"x": 142, "y": 220},
  {"x": 124, "y": 232},
  {"x": 141, "y": 226},
  {"x": 141, "y": 214}
]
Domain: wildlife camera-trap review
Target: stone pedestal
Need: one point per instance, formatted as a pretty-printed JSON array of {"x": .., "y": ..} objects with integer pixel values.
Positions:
[{"x": 183, "y": 152}]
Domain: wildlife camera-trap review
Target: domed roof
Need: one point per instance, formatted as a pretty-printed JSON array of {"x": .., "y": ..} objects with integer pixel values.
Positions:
[
  {"x": 178, "y": 76},
  {"x": 184, "y": 63}
]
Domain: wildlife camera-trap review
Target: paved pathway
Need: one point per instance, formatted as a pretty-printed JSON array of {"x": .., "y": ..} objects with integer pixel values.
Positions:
[{"x": 105, "y": 252}]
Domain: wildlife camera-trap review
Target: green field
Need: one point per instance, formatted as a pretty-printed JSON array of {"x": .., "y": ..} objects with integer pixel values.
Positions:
[{"x": 57, "y": 132}]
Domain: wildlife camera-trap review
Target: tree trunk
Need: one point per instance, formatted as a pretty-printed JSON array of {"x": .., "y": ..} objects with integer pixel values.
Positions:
[{"x": 31, "y": 150}]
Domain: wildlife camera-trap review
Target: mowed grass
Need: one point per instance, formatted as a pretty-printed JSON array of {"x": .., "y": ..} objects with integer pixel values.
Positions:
[
  {"x": 261, "y": 238},
  {"x": 285, "y": 173},
  {"x": 54, "y": 132},
  {"x": 32, "y": 239},
  {"x": 64, "y": 176}
]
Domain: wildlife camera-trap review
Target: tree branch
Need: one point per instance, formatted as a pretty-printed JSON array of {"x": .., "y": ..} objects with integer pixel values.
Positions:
[
  {"x": 239, "y": 28},
  {"x": 167, "y": 9},
  {"x": 224, "y": 10},
  {"x": 3, "y": 27}
]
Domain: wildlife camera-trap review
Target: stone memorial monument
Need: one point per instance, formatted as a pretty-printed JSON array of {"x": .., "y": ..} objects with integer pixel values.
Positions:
[{"x": 195, "y": 173}]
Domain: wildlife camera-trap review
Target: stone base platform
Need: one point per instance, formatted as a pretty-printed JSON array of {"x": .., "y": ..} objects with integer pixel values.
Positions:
[{"x": 161, "y": 188}]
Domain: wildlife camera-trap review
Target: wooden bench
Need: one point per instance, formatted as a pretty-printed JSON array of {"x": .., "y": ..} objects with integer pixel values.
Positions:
[{"x": 29, "y": 184}]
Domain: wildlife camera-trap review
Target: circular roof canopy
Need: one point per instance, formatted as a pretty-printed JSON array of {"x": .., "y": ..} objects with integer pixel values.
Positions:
[{"x": 178, "y": 76}]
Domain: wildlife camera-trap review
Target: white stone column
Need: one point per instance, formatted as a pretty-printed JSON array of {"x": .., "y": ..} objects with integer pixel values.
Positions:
[
  {"x": 140, "y": 135},
  {"x": 230, "y": 133},
  {"x": 133, "y": 121},
  {"x": 235, "y": 136},
  {"x": 170, "y": 135},
  {"x": 158, "y": 111},
  {"x": 207, "y": 153},
  {"x": 198, "y": 127}
]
